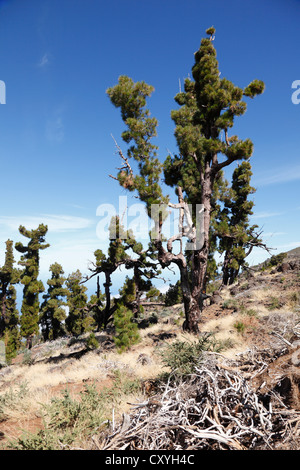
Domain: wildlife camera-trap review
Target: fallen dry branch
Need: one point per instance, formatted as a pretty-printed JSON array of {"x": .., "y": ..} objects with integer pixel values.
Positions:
[{"x": 215, "y": 408}]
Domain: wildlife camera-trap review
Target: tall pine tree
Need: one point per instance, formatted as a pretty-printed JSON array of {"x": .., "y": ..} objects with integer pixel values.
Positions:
[
  {"x": 53, "y": 313},
  {"x": 233, "y": 228},
  {"x": 30, "y": 261},
  {"x": 207, "y": 109},
  {"x": 79, "y": 319},
  {"x": 9, "y": 316},
  {"x": 237, "y": 236}
]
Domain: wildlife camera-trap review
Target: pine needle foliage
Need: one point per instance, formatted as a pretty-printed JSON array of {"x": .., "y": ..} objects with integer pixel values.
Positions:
[
  {"x": 53, "y": 311},
  {"x": 29, "y": 278},
  {"x": 127, "y": 333},
  {"x": 79, "y": 320},
  {"x": 9, "y": 315}
]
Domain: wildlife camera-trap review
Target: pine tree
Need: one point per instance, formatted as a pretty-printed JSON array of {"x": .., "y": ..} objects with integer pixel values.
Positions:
[
  {"x": 29, "y": 278},
  {"x": 79, "y": 320},
  {"x": 237, "y": 236},
  {"x": 53, "y": 313},
  {"x": 127, "y": 333},
  {"x": 207, "y": 109},
  {"x": 234, "y": 222},
  {"x": 96, "y": 306},
  {"x": 108, "y": 265},
  {"x": 125, "y": 251},
  {"x": 128, "y": 293},
  {"x": 9, "y": 317},
  {"x": 174, "y": 294}
]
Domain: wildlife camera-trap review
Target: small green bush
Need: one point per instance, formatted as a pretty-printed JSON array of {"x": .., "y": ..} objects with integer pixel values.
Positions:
[
  {"x": 183, "y": 356},
  {"x": 274, "y": 303},
  {"x": 27, "y": 358},
  {"x": 12, "y": 399},
  {"x": 127, "y": 332},
  {"x": 66, "y": 421},
  {"x": 275, "y": 260},
  {"x": 295, "y": 297},
  {"x": 231, "y": 303},
  {"x": 239, "y": 326},
  {"x": 250, "y": 312},
  {"x": 91, "y": 342}
]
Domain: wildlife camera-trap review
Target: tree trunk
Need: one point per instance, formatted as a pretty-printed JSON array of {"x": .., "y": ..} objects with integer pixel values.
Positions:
[
  {"x": 191, "y": 303},
  {"x": 225, "y": 279},
  {"x": 107, "y": 311},
  {"x": 3, "y": 313},
  {"x": 29, "y": 340},
  {"x": 201, "y": 256},
  {"x": 233, "y": 275}
]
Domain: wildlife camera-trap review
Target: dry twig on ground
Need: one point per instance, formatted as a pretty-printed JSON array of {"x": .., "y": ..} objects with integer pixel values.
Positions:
[{"x": 215, "y": 408}]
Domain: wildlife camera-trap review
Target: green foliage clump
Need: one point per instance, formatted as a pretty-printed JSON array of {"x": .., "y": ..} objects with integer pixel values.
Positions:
[
  {"x": 174, "y": 295},
  {"x": 13, "y": 399},
  {"x": 91, "y": 342},
  {"x": 127, "y": 333},
  {"x": 27, "y": 358},
  {"x": 79, "y": 320},
  {"x": 237, "y": 237},
  {"x": 183, "y": 356},
  {"x": 9, "y": 315},
  {"x": 240, "y": 326},
  {"x": 29, "y": 278},
  {"x": 274, "y": 303},
  {"x": 275, "y": 260},
  {"x": 53, "y": 313}
]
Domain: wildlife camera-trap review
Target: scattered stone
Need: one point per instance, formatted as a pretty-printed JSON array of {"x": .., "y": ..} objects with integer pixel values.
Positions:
[
  {"x": 215, "y": 298},
  {"x": 234, "y": 291},
  {"x": 144, "y": 360},
  {"x": 284, "y": 267},
  {"x": 5, "y": 371}
]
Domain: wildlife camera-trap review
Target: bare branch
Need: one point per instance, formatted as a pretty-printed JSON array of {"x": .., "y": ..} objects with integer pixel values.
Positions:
[{"x": 123, "y": 157}]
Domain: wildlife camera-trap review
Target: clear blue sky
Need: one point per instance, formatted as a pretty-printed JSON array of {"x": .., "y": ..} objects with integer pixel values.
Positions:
[{"x": 58, "y": 57}]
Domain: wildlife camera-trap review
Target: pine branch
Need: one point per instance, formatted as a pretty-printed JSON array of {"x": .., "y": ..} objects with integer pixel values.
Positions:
[{"x": 125, "y": 160}]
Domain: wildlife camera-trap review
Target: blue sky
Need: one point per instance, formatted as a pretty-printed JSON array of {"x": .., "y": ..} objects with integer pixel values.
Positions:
[{"x": 58, "y": 57}]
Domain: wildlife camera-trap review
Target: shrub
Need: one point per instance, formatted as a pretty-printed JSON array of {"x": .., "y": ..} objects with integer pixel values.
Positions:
[
  {"x": 274, "y": 303},
  {"x": 69, "y": 421},
  {"x": 91, "y": 342},
  {"x": 250, "y": 312},
  {"x": 230, "y": 303},
  {"x": 27, "y": 358},
  {"x": 66, "y": 421},
  {"x": 275, "y": 260},
  {"x": 183, "y": 356},
  {"x": 239, "y": 326},
  {"x": 12, "y": 399},
  {"x": 295, "y": 297}
]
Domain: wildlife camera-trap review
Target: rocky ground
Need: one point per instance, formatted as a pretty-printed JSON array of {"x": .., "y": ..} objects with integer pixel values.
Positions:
[{"x": 256, "y": 320}]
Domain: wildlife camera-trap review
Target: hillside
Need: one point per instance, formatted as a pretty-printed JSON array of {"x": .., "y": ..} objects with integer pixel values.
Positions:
[{"x": 242, "y": 394}]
